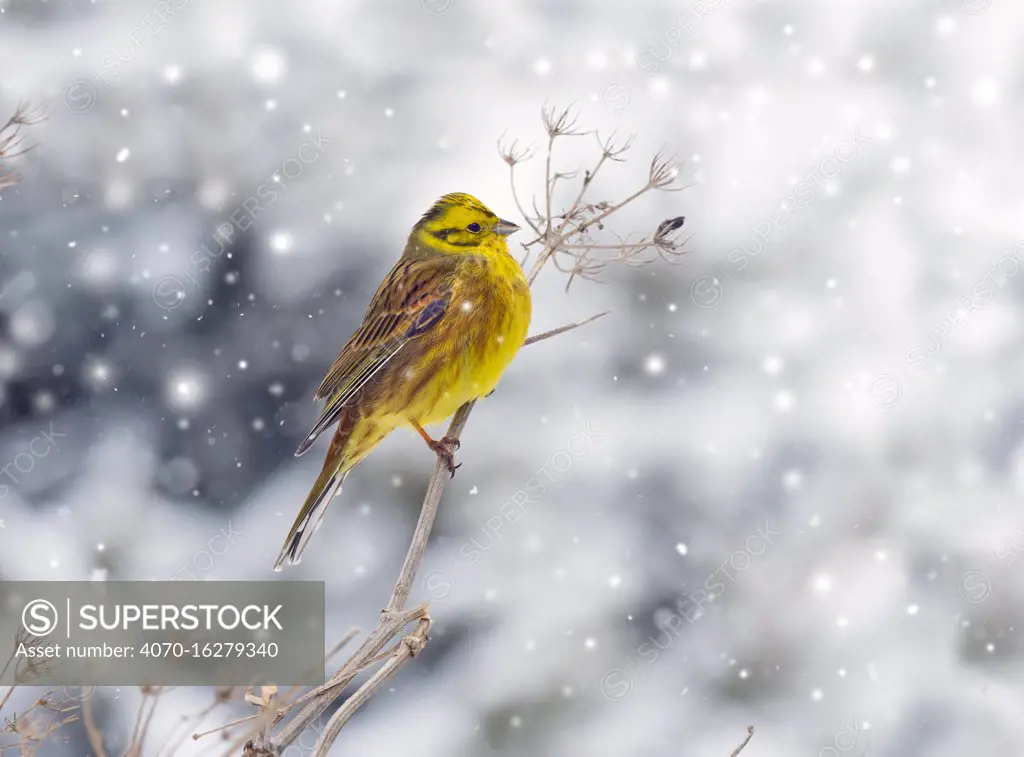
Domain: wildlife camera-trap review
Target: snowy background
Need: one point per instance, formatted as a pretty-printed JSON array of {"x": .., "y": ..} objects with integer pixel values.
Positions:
[{"x": 781, "y": 483}]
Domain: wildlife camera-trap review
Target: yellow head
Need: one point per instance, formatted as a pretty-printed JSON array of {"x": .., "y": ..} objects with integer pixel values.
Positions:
[{"x": 460, "y": 224}]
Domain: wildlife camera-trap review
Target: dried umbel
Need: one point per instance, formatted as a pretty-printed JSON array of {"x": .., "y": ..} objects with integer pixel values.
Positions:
[
  {"x": 12, "y": 140},
  {"x": 29, "y": 727},
  {"x": 576, "y": 240}
]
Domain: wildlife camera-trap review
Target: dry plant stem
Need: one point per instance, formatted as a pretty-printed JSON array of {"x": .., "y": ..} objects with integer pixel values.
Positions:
[
  {"x": 139, "y": 719},
  {"x": 562, "y": 329},
  {"x": 426, "y": 520},
  {"x": 741, "y": 747},
  {"x": 154, "y": 703},
  {"x": 393, "y": 618},
  {"x": 549, "y": 183},
  {"x": 11, "y": 140},
  {"x": 178, "y": 737},
  {"x": 260, "y": 742},
  {"x": 37, "y": 722},
  {"x": 91, "y": 731},
  {"x": 224, "y": 726},
  {"x": 564, "y": 239},
  {"x": 10, "y": 659},
  {"x": 270, "y": 716},
  {"x": 552, "y": 246},
  {"x": 408, "y": 648},
  {"x": 316, "y": 701},
  {"x": 349, "y": 635},
  {"x": 519, "y": 205}
]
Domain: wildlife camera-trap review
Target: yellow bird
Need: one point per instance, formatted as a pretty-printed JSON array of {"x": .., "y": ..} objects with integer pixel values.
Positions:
[{"x": 439, "y": 332}]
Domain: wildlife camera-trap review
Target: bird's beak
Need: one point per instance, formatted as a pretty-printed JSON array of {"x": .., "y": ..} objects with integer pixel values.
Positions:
[{"x": 505, "y": 227}]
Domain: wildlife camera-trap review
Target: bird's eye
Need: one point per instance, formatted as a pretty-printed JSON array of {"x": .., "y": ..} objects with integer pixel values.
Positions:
[{"x": 474, "y": 227}]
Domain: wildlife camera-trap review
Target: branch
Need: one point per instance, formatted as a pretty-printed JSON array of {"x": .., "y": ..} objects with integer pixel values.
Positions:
[
  {"x": 408, "y": 648},
  {"x": 12, "y": 143},
  {"x": 426, "y": 521},
  {"x": 392, "y": 619},
  {"x": 316, "y": 701},
  {"x": 513, "y": 154},
  {"x": 740, "y": 748},
  {"x": 562, "y": 329},
  {"x": 572, "y": 235},
  {"x": 559, "y": 124},
  {"x": 92, "y": 732}
]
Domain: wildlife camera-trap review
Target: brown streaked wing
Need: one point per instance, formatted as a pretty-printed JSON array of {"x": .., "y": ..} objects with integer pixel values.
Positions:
[{"x": 410, "y": 300}]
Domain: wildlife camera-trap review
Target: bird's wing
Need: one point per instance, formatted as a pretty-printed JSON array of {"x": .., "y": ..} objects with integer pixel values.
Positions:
[{"x": 408, "y": 303}]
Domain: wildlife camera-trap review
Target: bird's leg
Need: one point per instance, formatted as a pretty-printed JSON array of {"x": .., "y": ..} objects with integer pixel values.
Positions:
[{"x": 443, "y": 448}]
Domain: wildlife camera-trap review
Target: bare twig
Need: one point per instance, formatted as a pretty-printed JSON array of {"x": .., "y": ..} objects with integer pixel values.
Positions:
[
  {"x": 36, "y": 723},
  {"x": 513, "y": 154},
  {"x": 224, "y": 726},
  {"x": 407, "y": 648},
  {"x": 740, "y": 748},
  {"x": 349, "y": 635},
  {"x": 557, "y": 124},
  {"x": 7, "y": 696},
  {"x": 91, "y": 731},
  {"x": 392, "y": 622},
  {"x": 180, "y": 734},
  {"x": 571, "y": 237},
  {"x": 562, "y": 329},
  {"x": 393, "y": 618},
  {"x": 12, "y": 142},
  {"x": 41, "y": 719}
]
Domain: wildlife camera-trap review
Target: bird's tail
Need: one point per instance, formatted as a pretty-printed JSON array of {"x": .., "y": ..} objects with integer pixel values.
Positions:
[
  {"x": 327, "y": 485},
  {"x": 353, "y": 440}
]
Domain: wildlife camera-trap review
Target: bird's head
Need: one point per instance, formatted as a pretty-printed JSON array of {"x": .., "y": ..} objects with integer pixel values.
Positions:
[{"x": 459, "y": 223}]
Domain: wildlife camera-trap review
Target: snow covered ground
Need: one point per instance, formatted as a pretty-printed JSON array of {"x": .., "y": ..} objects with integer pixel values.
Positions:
[{"x": 783, "y": 481}]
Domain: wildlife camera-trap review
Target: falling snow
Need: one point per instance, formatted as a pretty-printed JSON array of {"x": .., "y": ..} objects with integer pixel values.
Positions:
[{"x": 744, "y": 490}]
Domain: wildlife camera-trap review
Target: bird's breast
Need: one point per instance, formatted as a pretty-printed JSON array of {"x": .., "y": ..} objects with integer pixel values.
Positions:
[{"x": 490, "y": 316}]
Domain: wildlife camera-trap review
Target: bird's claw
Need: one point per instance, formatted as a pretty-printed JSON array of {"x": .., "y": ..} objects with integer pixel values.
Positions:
[{"x": 445, "y": 449}]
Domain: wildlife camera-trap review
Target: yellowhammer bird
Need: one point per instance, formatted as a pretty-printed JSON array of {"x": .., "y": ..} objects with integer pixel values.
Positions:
[{"x": 439, "y": 332}]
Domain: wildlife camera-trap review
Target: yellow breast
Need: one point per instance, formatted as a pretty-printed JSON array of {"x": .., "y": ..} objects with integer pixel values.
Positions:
[{"x": 490, "y": 312}]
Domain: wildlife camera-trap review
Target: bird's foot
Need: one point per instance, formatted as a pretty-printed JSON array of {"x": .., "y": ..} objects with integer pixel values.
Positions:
[{"x": 445, "y": 449}]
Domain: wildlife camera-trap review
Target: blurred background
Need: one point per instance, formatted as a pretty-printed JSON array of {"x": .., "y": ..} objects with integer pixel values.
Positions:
[{"x": 779, "y": 485}]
